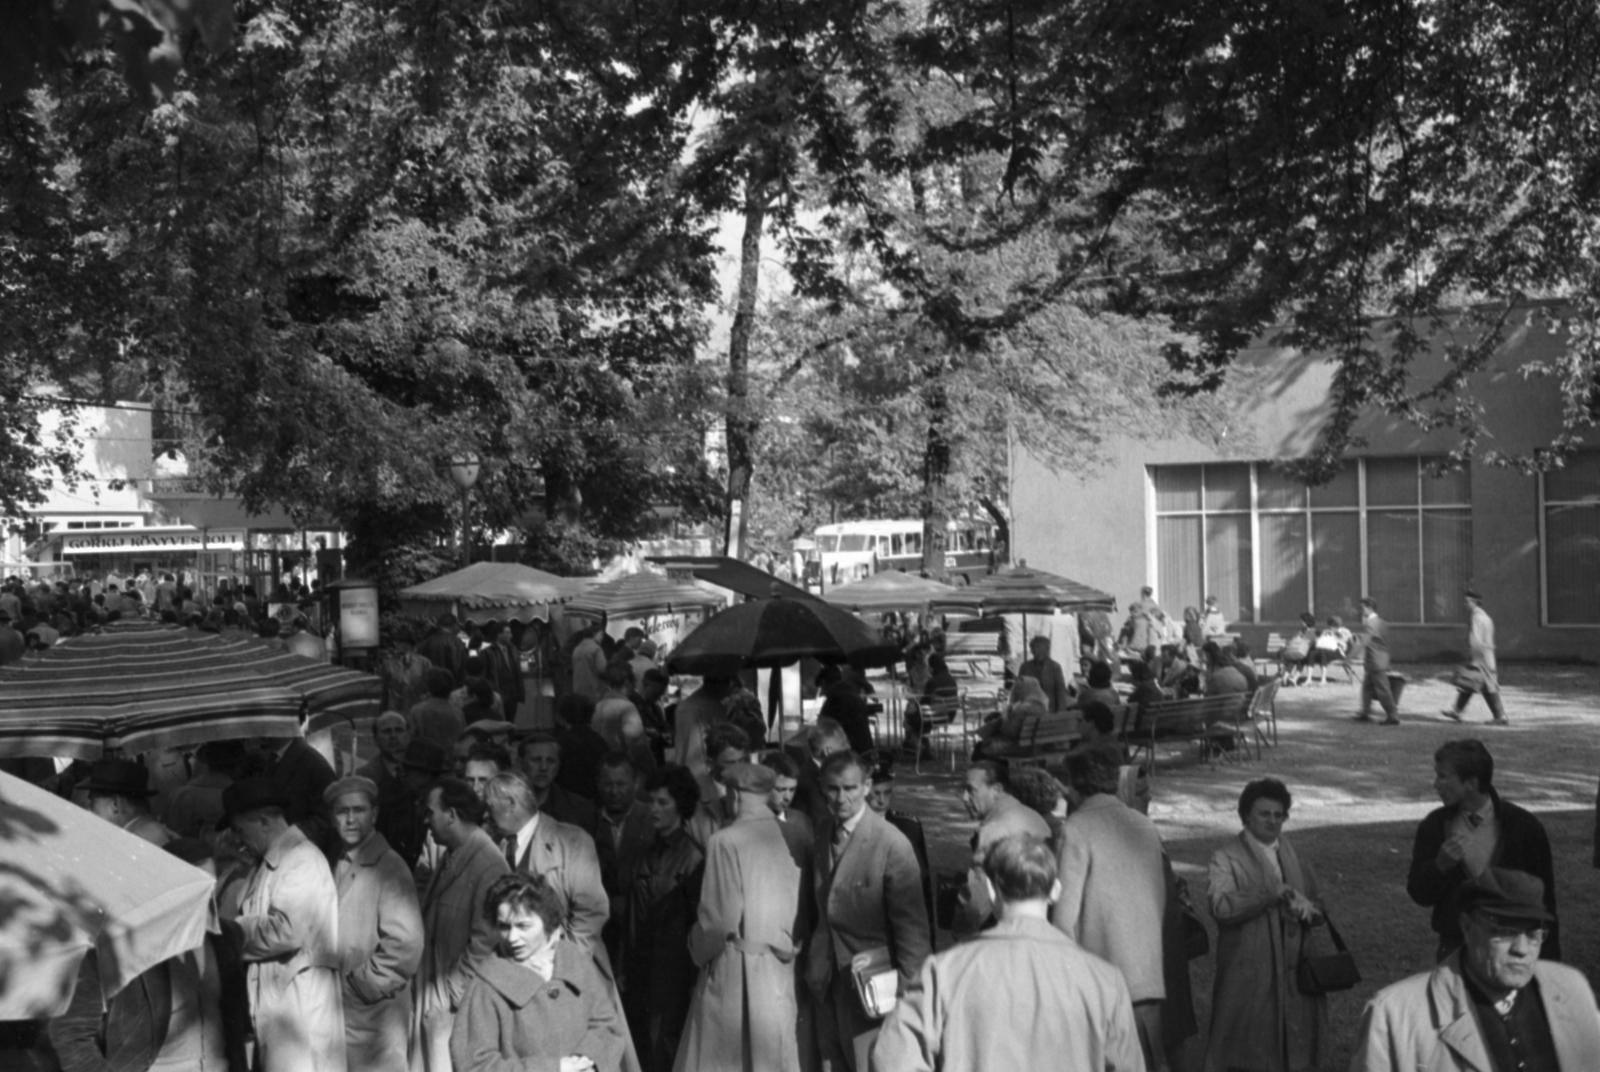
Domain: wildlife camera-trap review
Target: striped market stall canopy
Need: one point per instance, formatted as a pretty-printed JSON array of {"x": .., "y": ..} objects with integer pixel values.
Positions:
[
  {"x": 142, "y": 686},
  {"x": 640, "y": 595}
]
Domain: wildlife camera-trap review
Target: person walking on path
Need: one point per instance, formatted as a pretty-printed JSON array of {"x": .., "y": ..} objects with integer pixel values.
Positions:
[
  {"x": 1481, "y": 674},
  {"x": 1375, "y": 666}
]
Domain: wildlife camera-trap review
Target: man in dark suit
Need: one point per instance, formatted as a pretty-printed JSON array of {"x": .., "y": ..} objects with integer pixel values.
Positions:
[
  {"x": 563, "y": 855},
  {"x": 582, "y": 747},
  {"x": 540, "y": 757},
  {"x": 1474, "y": 831},
  {"x": 869, "y": 897},
  {"x": 443, "y": 648},
  {"x": 399, "y": 809},
  {"x": 624, "y": 833},
  {"x": 298, "y": 775},
  {"x": 1375, "y": 666},
  {"x": 826, "y": 738},
  {"x": 881, "y": 800}
]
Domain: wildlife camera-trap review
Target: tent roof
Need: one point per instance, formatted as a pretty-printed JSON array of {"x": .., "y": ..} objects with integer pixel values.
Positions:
[
  {"x": 72, "y": 882},
  {"x": 730, "y": 573},
  {"x": 635, "y": 595},
  {"x": 497, "y": 584},
  {"x": 1029, "y": 591},
  {"x": 891, "y": 590},
  {"x": 145, "y": 685}
]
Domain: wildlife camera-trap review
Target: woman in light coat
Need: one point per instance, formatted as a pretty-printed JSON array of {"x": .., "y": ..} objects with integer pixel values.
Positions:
[{"x": 1265, "y": 901}]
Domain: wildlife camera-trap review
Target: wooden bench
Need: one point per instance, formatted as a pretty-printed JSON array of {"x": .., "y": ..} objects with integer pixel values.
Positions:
[
  {"x": 1045, "y": 739},
  {"x": 1209, "y": 721}
]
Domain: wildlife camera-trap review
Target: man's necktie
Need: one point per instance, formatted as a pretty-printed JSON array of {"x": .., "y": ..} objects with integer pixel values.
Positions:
[
  {"x": 511, "y": 852},
  {"x": 1474, "y": 820}
]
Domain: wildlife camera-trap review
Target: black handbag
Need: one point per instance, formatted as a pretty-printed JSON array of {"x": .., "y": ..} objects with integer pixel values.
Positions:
[{"x": 1328, "y": 972}]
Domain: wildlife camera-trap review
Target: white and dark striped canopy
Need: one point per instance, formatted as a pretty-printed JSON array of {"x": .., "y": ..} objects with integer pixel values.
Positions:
[
  {"x": 140, "y": 686},
  {"x": 640, "y": 595}
]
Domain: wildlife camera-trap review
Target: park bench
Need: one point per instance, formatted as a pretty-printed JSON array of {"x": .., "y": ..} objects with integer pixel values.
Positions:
[
  {"x": 1045, "y": 740},
  {"x": 1215, "y": 723}
]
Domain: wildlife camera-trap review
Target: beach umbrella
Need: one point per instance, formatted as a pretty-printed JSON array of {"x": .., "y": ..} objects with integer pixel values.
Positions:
[
  {"x": 71, "y": 882},
  {"x": 639, "y": 595},
  {"x": 492, "y": 592},
  {"x": 892, "y": 590},
  {"x": 145, "y": 686},
  {"x": 778, "y": 632},
  {"x": 1027, "y": 591}
]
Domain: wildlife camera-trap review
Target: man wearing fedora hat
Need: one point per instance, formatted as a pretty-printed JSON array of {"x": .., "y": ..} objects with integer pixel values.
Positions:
[
  {"x": 1493, "y": 1005},
  {"x": 119, "y": 792},
  {"x": 288, "y": 933}
]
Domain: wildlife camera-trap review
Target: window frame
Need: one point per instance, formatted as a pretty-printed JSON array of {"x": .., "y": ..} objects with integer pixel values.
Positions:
[
  {"x": 1544, "y": 556},
  {"x": 1418, "y": 508}
]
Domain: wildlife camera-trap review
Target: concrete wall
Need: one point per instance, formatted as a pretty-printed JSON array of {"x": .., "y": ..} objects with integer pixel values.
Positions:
[{"x": 1095, "y": 526}]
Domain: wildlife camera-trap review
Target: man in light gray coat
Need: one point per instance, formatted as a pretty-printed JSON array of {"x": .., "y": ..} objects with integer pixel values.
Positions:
[
  {"x": 1113, "y": 889},
  {"x": 380, "y": 931},
  {"x": 288, "y": 931}
]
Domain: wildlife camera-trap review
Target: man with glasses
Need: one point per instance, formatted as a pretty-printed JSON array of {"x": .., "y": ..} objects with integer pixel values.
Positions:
[{"x": 1492, "y": 1005}]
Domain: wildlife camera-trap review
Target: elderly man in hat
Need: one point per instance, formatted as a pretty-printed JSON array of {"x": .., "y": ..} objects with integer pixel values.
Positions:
[
  {"x": 380, "y": 930},
  {"x": 1491, "y": 1006},
  {"x": 288, "y": 933},
  {"x": 743, "y": 1014},
  {"x": 1481, "y": 674},
  {"x": 119, "y": 792}
]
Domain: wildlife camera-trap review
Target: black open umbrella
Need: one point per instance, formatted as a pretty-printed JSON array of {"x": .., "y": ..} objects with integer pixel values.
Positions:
[{"x": 777, "y": 632}]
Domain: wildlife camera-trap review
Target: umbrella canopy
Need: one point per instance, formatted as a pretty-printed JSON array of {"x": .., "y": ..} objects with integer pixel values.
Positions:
[
  {"x": 492, "y": 592},
  {"x": 71, "y": 881},
  {"x": 1028, "y": 591},
  {"x": 777, "y": 632},
  {"x": 638, "y": 595},
  {"x": 891, "y": 590},
  {"x": 144, "y": 686}
]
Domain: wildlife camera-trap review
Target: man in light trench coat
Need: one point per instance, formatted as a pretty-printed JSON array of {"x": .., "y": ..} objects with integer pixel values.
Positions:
[
  {"x": 288, "y": 932},
  {"x": 380, "y": 931}
]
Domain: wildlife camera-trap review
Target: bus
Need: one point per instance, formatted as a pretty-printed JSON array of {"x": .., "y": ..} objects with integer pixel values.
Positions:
[{"x": 851, "y": 550}]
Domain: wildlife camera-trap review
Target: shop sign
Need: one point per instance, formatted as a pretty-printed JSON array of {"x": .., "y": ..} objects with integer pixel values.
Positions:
[
  {"x": 358, "y": 617},
  {"x": 150, "y": 541}
]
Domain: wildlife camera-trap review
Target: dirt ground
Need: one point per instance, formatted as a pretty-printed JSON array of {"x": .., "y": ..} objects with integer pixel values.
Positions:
[{"x": 1359, "y": 791}]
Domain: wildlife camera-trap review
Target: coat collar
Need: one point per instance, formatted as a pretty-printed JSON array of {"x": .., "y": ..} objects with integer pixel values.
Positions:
[
  {"x": 1034, "y": 930},
  {"x": 290, "y": 839},
  {"x": 519, "y": 986},
  {"x": 1452, "y": 1010},
  {"x": 370, "y": 851}
]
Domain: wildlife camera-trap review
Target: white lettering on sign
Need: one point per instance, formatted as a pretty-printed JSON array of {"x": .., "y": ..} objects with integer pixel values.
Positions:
[{"x": 124, "y": 541}]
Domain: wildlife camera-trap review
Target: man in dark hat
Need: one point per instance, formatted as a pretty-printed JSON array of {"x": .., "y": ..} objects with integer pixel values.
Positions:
[
  {"x": 119, "y": 792},
  {"x": 196, "y": 805},
  {"x": 1492, "y": 1005},
  {"x": 1375, "y": 666},
  {"x": 1480, "y": 664},
  {"x": 288, "y": 933},
  {"x": 299, "y": 775}
]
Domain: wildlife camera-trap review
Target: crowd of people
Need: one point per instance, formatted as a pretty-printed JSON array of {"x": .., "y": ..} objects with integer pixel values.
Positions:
[{"x": 663, "y": 891}]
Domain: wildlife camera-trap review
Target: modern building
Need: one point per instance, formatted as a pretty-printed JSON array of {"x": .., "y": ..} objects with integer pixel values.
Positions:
[{"x": 1215, "y": 513}]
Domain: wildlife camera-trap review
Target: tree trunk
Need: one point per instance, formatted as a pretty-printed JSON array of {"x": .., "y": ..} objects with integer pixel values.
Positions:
[
  {"x": 741, "y": 422},
  {"x": 935, "y": 472}
]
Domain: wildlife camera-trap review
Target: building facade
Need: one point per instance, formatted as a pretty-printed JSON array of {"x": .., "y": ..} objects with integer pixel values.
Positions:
[{"x": 1216, "y": 514}]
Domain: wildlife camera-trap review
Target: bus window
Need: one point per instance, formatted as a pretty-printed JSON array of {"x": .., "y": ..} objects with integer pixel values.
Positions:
[
  {"x": 913, "y": 543},
  {"x": 828, "y": 544},
  {"x": 896, "y": 544},
  {"x": 852, "y": 542}
]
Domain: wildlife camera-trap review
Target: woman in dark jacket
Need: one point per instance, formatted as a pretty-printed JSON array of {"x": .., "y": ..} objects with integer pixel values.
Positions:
[
  {"x": 541, "y": 1001},
  {"x": 665, "y": 895}
]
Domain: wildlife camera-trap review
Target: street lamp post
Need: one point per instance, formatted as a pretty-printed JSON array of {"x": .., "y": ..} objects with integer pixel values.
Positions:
[{"x": 464, "y": 471}]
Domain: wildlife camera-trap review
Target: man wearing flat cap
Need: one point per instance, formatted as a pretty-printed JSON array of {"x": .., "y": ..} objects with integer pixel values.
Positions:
[
  {"x": 380, "y": 930},
  {"x": 1491, "y": 1006},
  {"x": 119, "y": 792},
  {"x": 288, "y": 933},
  {"x": 743, "y": 1014}
]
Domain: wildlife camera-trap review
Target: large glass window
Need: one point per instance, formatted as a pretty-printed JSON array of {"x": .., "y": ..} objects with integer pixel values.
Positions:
[
  {"x": 1571, "y": 497},
  {"x": 1271, "y": 548}
]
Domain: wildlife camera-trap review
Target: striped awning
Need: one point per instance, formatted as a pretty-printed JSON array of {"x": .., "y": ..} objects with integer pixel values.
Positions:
[
  {"x": 140, "y": 687},
  {"x": 492, "y": 591},
  {"x": 639, "y": 595},
  {"x": 1027, "y": 591}
]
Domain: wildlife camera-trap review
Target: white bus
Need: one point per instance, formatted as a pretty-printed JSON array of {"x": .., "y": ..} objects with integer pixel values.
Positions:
[{"x": 851, "y": 550}]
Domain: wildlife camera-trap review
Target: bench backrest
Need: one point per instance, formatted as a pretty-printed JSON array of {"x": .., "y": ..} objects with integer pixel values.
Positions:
[
  {"x": 1194, "y": 713},
  {"x": 1041, "y": 731}
]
